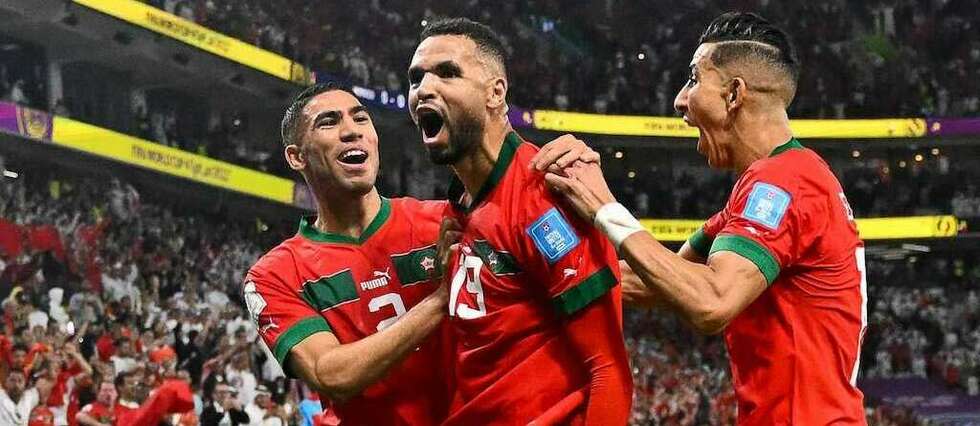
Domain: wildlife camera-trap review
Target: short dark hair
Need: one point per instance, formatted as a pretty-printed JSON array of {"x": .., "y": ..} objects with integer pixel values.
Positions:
[
  {"x": 294, "y": 114},
  {"x": 120, "y": 379},
  {"x": 767, "y": 42},
  {"x": 486, "y": 39}
]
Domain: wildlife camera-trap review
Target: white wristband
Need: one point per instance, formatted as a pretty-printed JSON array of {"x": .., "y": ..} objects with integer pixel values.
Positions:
[{"x": 616, "y": 222}]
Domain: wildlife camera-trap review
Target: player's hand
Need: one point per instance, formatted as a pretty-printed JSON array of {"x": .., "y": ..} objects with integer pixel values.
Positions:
[
  {"x": 635, "y": 293},
  {"x": 558, "y": 154},
  {"x": 583, "y": 186}
]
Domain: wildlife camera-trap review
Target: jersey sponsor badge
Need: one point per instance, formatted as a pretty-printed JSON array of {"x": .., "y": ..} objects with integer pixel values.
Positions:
[
  {"x": 553, "y": 235},
  {"x": 767, "y": 205}
]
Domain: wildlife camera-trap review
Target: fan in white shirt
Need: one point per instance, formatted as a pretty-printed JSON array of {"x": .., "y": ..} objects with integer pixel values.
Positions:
[{"x": 16, "y": 403}]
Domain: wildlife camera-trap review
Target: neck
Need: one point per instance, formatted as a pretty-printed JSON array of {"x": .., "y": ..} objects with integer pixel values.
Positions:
[
  {"x": 757, "y": 134},
  {"x": 474, "y": 169},
  {"x": 344, "y": 214}
]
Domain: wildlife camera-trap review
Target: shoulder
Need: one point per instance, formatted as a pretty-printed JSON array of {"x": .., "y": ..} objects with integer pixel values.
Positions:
[
  {"x": 793, "y": 170},
  {"x": 279, "y": 260},
  {"x": 420, "y": 208}
]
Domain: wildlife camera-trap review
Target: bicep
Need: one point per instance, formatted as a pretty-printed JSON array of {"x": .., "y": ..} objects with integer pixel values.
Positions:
[
  {"x": 302, "y": 358},
  {"x": 740, "y": 281}
]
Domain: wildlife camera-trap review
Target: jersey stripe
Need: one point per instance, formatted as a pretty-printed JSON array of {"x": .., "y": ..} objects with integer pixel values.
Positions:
[
  {"x": 330, "y": 291},
  {"x": 581, "y": 295},
  {"x": 297, "y": 333},
  {"x": 859, "y": 255},
  {"x": 750, "y": 250},
  {"x": 700, "y": 242},
  {"x": 500, "y": 262},
  {"x": 411, "y": 266}
]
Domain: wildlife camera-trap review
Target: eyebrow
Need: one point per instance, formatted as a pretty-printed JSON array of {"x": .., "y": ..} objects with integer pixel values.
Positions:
[{"x": 444, "y": 67}]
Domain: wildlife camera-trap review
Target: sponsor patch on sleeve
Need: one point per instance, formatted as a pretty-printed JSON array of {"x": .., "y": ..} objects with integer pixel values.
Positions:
[
  {"x": 767, "y": 204},
  {"x": 553, "y": 235}
]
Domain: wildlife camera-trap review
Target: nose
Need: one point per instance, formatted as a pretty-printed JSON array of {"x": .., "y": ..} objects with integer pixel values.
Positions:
[
  {"x": 349, "y": 131},
  {"x": 680, "y": 101},
  {"x": 424, "y": 91}
]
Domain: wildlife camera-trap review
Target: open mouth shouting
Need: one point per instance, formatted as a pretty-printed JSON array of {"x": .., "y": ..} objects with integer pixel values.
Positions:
[
  {"x": 431, "y": 122},
  {"x": 353, "y": 158}
]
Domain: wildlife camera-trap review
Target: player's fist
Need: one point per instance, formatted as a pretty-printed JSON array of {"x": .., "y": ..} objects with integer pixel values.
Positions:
[{"x": 562, "y": 152}]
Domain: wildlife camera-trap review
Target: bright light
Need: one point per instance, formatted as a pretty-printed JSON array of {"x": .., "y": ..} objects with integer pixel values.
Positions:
[
  {"x": 631, "y": 174},
  {"x": 885, "y": 170},
  {"x": 425, "y": 22},
  {"x": 855, "y": 153},
  {"x": 919, "y": 157},
  {"x": 11, "y": 174},
  {"x": 641, "y": 56},
  {"x": 901, "y": 164},
  {"x": 935, "y": 151},
  {"x": 619, "y": 154}
]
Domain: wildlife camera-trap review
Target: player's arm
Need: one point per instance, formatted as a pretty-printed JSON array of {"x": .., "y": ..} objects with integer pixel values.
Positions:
[
  {"x": 597, "y": 336},
  {"x": 579, "y": 269},
  {"x": 342, "y": 371},
  {"x": 707, "y": 295},
  {"x": 310, "y": 351}
]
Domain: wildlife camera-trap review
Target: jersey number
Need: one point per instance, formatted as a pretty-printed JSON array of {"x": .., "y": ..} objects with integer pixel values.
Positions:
[
  {"x": 393, "y": 299},
  {"x": 468, "y": 273}
]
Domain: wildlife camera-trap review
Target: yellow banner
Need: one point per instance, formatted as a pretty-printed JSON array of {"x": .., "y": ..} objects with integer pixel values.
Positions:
[
  {"x": 127, "y": 149},
  {"x": 202, "y": 38},
  {"x": 678, "y": 230},
  {"x": 908, "y": 227},
  {"x": 633, "y": 125}
]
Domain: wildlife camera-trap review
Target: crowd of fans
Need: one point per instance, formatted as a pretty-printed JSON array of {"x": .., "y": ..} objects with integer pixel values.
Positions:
[
  {"x": 107, "y": 296},
  {"x": 861, "y": 59}
]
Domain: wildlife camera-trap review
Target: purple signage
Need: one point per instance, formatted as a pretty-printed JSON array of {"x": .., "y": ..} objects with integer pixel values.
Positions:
[
  {"x": 25, "y": 121},
  {"x": 925, "y": 397},
  {"x": 520, "y": 117},
  {"x": 952, "y": 126}
]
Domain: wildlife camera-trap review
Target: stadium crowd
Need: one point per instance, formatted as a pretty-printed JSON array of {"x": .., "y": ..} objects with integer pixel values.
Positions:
[
  {"x": 861, "y": 59},
  {"x": 100, "y": 286}
]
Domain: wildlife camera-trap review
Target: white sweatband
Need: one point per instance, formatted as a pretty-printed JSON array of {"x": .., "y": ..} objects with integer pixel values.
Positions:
[{"x": 616, "y": 222}]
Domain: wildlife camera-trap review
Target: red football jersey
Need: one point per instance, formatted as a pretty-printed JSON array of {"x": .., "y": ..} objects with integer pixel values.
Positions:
[
  {"x": 525, "y": 263},
  {"x": 353, "y": 288},
  {"x": 794, "y": 351}
]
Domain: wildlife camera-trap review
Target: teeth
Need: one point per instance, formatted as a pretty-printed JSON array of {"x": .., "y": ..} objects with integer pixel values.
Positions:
[{"x": 352, "y": 153}]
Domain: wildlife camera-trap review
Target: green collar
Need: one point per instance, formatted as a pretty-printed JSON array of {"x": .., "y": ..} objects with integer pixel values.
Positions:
[
  {"x": 792, "y": 144},
  {"x": 456, "y": 189},
  {"x": 309, "y": 231}
]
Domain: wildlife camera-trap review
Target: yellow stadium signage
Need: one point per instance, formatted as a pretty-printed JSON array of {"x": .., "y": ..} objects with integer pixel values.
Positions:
[
  {"x": 634, "y": 125},
  {"x": 884, "y": 228},
  {"x": 202, "y": 38},
  {"x": 127, "y": 149}
]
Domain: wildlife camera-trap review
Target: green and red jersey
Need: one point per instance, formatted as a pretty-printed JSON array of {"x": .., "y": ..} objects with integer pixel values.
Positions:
[
  {"x": 354, "y": 287},
  {"x": 526, "y": 265},
  {"x": 795, "y": 350}
]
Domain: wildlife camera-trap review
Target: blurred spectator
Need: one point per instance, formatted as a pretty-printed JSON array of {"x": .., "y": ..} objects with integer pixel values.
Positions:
[{"x": 224, "y": 408}]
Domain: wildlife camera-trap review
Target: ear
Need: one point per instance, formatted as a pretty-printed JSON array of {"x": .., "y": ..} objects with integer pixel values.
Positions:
[
  {"x": 736, "y": 93},
  {"x": 497, "y": 93},
  {"x": 295, "y": 157}
]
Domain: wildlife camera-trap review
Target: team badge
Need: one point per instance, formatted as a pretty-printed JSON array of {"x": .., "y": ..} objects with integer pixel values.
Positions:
[
  {"x": 552, "y": 235},
  {"x": 767, "y": 205}
]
